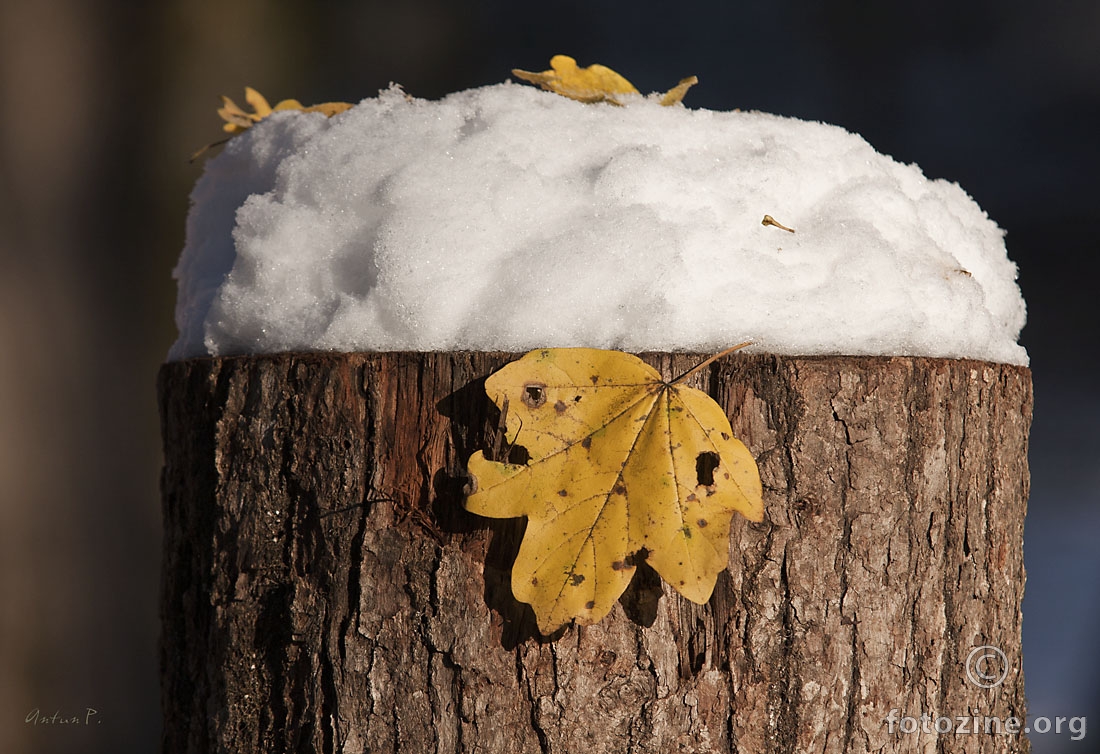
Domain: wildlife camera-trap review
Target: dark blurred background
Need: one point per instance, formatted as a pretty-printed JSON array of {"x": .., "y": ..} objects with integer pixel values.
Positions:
[{"x": 104, "y": 100}]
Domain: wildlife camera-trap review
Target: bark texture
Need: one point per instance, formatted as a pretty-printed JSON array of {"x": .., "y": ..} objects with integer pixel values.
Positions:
[{"x": 324, "y": 589}]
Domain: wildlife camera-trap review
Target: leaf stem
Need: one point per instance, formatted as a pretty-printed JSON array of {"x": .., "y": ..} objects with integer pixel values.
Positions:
[{"x": 710, "y": 361}]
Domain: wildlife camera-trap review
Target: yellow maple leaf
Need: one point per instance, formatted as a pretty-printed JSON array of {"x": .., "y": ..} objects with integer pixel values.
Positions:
[
  {"x": 622, "y": 467},
  {"x": 596, "y": 83}
]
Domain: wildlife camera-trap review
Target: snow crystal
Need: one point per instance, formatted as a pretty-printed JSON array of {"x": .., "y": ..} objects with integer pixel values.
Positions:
[{"x": 507, "y": 218}]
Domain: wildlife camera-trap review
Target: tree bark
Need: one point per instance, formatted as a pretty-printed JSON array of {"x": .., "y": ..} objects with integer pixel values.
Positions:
[{"x": 325, "y": 590}]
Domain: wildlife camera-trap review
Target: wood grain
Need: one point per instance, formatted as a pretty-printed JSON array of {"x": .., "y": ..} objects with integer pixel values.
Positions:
[{"x": 324, "y": 590}]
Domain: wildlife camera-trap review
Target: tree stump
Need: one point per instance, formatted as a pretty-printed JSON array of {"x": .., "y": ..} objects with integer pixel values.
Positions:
[{"x": 324, "y": 590}]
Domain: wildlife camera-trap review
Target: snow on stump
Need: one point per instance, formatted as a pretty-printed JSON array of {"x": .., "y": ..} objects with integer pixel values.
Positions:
[{"x": 348, "y": 285}]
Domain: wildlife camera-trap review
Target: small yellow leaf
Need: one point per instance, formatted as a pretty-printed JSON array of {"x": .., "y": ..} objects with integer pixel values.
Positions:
[
  {"x": 235, "y": 118},
  {"x": 258, "y": 102},
  {"x": 327, "y": 108},
  {"x": 623, "y": 467},
  {"x": 596, "y": 83},
  {"x": 238, "y": 120},
  {"x": 675, "y": 95},
  {"x": 286, "y": 104}
]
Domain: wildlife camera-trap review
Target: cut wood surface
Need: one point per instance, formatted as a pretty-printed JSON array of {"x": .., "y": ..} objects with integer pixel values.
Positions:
[{"x": 325, "y": 590}]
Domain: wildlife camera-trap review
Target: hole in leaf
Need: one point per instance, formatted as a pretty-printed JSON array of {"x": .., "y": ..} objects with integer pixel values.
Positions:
[
  {"x": 518, "y": 455},
  {"x": 534, "y": 394},
  {"x": 705, "y": 464}
]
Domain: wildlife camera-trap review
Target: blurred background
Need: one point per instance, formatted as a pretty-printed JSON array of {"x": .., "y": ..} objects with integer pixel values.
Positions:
[{"x": 104, "y": 100}]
